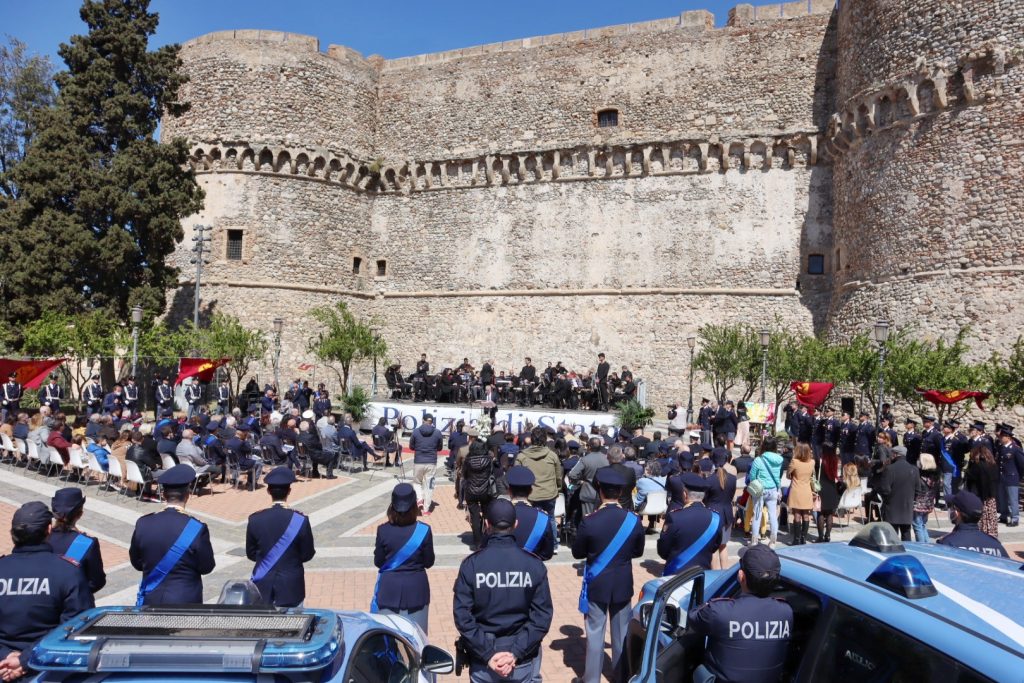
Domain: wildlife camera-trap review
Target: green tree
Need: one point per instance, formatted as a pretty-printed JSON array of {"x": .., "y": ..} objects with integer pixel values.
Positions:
[
  {"x": 26, "y": 86},
  {"x": 1007, "y": 376},
  {"x": 729, "y": 357},
  {"x": 800, "y": 358},
  {"x": 226, "y": 337},
  {"x": 345, "y": 340},
  {"x": 100, "y": 200},
  {"x": 84, "y": 339}
]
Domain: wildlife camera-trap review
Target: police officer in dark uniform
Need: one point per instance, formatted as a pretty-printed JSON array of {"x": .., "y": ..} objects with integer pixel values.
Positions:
[
  {"x": 278, "y": 573},
  {"x": 748, "y": 635},
  {"x": 40, "y": 590},
  {"x": 194, "y": 397},
  {"x": 847, "y": 439},
  {"x": 11, "y": 396},
  {"x": 65, "y": 539},
  {"x": 164, "y": 398},
  {"x": 609, "y": 538},
  {"x": 51, "y": 395},
  {"x": 690, "y": 536},
  {"x": 865, "y": 443},
  {"x": 131, "y": 396},
  {"x": 533, "y": 532},
  {"x": 601, "y": 381},
  {"x": 158, "y": 535},
  {"x": 966, "y": 509},
  {"x": 1010, "y": 458},
  {"x": 403, "y": 552},
  {"x": 321, "y": 401},
  {"x": 93, "y": 396},
  {"x": 912, "y": 441},
  {"x": 223, "y": 398},
  {"x": 886, "y": 427},
  {"x": 502, "y": 604},
  {"x": 978, "y": 437}
]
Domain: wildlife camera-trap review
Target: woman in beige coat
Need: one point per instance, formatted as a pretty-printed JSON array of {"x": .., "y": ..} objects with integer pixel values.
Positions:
[{"x": 801, "y": 495}]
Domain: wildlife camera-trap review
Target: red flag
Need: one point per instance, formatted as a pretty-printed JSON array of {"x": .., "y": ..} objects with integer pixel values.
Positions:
[
  {"x": 31, "y": 373},
  {"x": 811, "y": 394},
  {"x": 198, "y": 367},
  {"x": 306, "y": 367},
  {"x": 956, "y": 395}
]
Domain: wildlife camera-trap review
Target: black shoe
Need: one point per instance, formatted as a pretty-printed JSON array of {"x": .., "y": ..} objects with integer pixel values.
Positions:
[
  {"x": 315, "y": 475},
  {"x": 330, "y": 476},
  {"x": 1013, "y": 524}
]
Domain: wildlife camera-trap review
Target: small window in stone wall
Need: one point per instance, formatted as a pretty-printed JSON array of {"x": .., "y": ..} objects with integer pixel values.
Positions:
[
  {"x": 357, "y": 265},
  {"x": 607, "y": 118},
  {"x": 234, "y": 247},
  {"x": 816, "y": 264},
  {"x": 839, "y": 261},
  {"x": 382, "y": 268}
]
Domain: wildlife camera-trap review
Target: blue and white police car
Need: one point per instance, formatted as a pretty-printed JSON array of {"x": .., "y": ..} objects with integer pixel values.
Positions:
[
  {"x": 237, "y": 643},
  {"x": 871, "y": 610}
]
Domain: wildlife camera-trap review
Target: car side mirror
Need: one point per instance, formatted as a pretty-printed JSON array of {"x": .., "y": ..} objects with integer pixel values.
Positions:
[
  {"x": 437, "y": 661},
  {"x": 669, "y": 617}
]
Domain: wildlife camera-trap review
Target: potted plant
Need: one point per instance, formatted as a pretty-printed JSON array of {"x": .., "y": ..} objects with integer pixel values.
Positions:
[
  {"x": 357, "y": 403},
  {"x": 633, "y": 416}
]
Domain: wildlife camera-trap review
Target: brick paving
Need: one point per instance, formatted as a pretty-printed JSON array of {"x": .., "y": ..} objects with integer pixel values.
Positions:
[
  {"x": 236, "y": 504},
  {"x": 113, "y": 554}
]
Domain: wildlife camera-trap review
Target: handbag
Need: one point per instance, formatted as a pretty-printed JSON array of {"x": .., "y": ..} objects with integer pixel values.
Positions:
[
  {"x": 815, "y": 481},
  {"x": 755, "y": 488}
]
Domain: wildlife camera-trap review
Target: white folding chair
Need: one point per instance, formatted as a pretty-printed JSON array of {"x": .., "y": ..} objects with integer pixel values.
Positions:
[
  {"x": 9, "y": 449},
  {"x": 51, "y": 458},
  {"x": 92, "y": 465},
  {"x": 75, "y": 461},
  {"x": 167, "y": 460},
  {"x": 134, "y": 475},
  {"x": 114, "y": 473},
  {"x": 656, "y": 504},
  {"x": 33, "y": 455},
  {"x": 851, "y": 501}
]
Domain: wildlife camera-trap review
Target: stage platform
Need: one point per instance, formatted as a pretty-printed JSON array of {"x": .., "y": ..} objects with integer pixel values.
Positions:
[{"x": 513, "y": 417}]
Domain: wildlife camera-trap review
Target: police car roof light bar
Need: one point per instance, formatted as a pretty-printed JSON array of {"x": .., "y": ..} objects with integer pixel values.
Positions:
[
  {"x": 880, "y": 537},
  {"x": 904, "y": 575}
]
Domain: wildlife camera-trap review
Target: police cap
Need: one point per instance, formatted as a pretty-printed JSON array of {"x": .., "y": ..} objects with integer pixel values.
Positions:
[
  {"x": 13, "y": 375},
  {"x": 706, "y": 465},
  {"x": 521, "y": 476},
  {"x": 66, "y": 501},
  {"x": 308, "y": 415},
  {"x": 910, "y": 421},
  {"x": 694, "y": 482},
  {"x": 707, "y": 447},
  {"x": 280, "y": 476},
  {"x": 403, "y": 498},
  {"x": 501, "y": 513},
  {"x": 760, "y": 561},
  {"x": 606, "y": 476},
  {"x": 719, "y": 456},
  {"x": 574, "y": 445},
  {"x": 951, "y": 424},
  {"x": 967, "y": 503},
  {"x": 1006, "y": 429},
  {"x": 242, "y": 427},
  {"x": 928, "y": 418},
  {"x": 32, "y": 516},
  {"x": 978, "y": 425},
  {"x": 178, "y": 476},
  {"x": 665, "y": 447}
]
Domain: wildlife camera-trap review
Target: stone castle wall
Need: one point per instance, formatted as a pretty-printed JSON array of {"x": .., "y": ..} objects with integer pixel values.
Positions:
[
  {"x": 926, "y": 142},
  {"x": 508, "y": 223}
]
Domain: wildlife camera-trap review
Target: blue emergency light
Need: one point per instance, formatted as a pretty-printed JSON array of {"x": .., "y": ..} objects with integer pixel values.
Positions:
[{"x": 904, "y": 575}]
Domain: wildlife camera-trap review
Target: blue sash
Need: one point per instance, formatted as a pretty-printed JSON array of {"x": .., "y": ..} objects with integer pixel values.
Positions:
[
  {"x": 419, "y": 534},
  {"x": 948, "y": 458},
  {"x": 283, "y": 543},
  {"x": 152, "y": 580},
  {"x": 601, "y": 562},
  {"x": 78, "y": 548},
  {"x": 688, "y": 553},
  {"x": 540, "y": 523}
]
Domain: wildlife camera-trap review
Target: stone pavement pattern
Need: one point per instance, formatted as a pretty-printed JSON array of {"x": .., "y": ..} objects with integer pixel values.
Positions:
[{"x": 344, "y": 514}]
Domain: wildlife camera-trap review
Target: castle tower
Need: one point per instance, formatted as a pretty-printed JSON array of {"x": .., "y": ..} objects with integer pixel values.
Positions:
[{"x": 928, "y": 162}]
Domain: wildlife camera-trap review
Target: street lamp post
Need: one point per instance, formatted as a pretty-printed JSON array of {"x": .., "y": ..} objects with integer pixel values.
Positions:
[
  {"x": 766, "y": 338},
  {"x": 136, "y": 321},
  {"x": 691, "y": 341},
  {"x": 881, "y": 334},
  {"x": 200, "y": 248},
  {"x": 278, "y": 326}
]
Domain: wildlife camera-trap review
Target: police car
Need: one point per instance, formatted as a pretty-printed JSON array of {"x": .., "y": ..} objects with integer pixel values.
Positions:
[
  {"x": 237, "y": 643},
  {"x": 872, "y": 610}
]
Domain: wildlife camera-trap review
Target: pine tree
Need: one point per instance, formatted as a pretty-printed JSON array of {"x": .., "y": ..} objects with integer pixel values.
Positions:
[{"x": 100, "y": 200}]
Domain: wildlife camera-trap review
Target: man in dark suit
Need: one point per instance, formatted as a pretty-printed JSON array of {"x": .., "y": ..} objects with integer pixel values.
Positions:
[
  {"x": 601, "y": 381},
  {"x": 608, "y": 585},
  {"x": 912, "y": 441},
  {"x": 897, "y": 487},
  {"x": 154, "y": 538},
  {"x": 847, "y": 439},
  {"x": 865, "y": 436},
  {"x": 279, "y": 575},
  {"x": 725, "y": 424},
  {"x": 616, "y": 461}
]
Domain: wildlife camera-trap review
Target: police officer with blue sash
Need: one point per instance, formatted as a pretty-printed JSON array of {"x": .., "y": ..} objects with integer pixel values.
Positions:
[
  {"x": 279, "y": 540},
  {"x": 690, "y": 536},
  {"x": 502, "y": 605},
  {"x": 534, "y": 532},
  {"x": 65, "y": 539},
  {"x": 11, "y": 398},
  {"x": 170, "y": 548},
  {"x": 51, "y": 395},
  {"x": 404, "y": 550},
  {"x": 608, "y": 538},
  {"x": 747, "y": 636},
  {"x": 39, "y": 590}
]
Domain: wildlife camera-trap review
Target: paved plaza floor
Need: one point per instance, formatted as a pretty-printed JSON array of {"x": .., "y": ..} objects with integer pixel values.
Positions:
[{"x": 345, "y": 513}]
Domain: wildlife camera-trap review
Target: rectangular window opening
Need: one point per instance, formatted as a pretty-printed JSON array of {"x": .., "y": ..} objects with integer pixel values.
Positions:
[
  {"x": 357, "y": 265},
  {"x": 608, "y": 118},
  {"x": 382, "y": 268},
  {"x": 816, "y": 264},
  {"x": 234, "y": 245}
]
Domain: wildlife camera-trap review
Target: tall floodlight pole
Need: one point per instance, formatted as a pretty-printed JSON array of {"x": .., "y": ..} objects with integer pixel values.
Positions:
[
  {"x": 691, "y": 342},
  {"x": 136, "y": 321},
  {"x": 278, "y": 326},
  {"x": 200, "y": 247},
  {"x": 881, "y": 334},
  {"x": 766, "y": 338}
]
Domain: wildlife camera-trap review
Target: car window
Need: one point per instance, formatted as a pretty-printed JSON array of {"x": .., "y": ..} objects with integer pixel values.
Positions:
[
  {"x": 381, "y": 658},
  {"x": 859, "y": 648}
]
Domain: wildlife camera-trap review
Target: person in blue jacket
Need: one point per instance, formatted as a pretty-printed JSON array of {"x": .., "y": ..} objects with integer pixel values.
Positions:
[
  {"x": 46, "y": 590},
  {"x": 66, "y": 540},
  {"x": 403, "y": 553},
  {"x": 502, "y": 605},
  {"x": 278, "y": 572},
  {"x": 156, "y": 538},
  {"x": 767, "y": 469},
  {"x": 608, "y": 538}
]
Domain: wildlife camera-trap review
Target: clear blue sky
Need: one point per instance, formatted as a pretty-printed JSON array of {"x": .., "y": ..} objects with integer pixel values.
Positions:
[{"x": 394, "y": 28}]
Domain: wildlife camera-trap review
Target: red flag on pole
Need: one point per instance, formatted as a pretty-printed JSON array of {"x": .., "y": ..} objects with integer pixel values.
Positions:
[
  {"x": 31, "y": 373},
  {"x": 811, "y": 394},
  {"x": 202, "y": 368},
  {"x": 955, "y": 396}
]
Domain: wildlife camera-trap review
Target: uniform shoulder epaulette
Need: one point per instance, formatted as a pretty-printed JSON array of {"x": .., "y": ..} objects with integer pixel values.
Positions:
[{"x": 73, "y": 563}]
